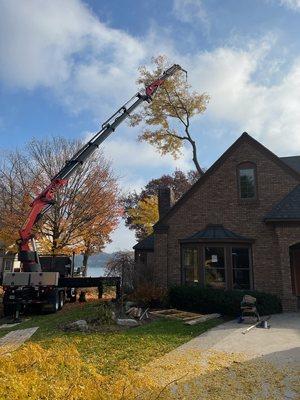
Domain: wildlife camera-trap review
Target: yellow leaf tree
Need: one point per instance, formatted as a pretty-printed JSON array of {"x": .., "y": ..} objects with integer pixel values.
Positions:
[
  {"x": 145, "y": 213},
  {"x": 166, "y": 120}
]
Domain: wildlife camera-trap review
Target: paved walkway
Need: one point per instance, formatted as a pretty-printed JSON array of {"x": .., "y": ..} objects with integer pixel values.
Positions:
[
  {"x": 224, "y": 364},
  {"x": 280, "y": 344},
  {"x": 14, "y": 339}
]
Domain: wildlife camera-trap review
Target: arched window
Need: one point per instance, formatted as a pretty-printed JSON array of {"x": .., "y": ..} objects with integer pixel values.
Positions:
[{"x": 247, "y": 181}]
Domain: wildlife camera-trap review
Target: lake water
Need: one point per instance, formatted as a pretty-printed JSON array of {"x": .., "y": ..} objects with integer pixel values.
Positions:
[{"x": 95, "y": 271}]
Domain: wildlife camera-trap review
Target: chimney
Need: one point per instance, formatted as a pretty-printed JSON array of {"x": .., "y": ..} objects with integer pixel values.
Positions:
[{"x": 165, "y": 200}]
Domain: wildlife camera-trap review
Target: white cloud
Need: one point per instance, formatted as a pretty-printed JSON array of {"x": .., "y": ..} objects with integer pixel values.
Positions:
[
  {"x": 63, "y": 46},
  {"x": 291, "y": 4},
  {"x": 191, "y": 11},
  {"x": 132, "y": 154},
  {"x": 267, "y": 111},
  {"x": 122, "y": 239}
]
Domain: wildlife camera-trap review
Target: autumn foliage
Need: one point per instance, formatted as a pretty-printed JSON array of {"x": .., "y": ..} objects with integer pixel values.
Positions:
[
  {"x": 167, "y": 119},
  {"x": 141, "y": 209},
  {"x": 85, "y": 212},
  {"x": 58, "y": 373}
]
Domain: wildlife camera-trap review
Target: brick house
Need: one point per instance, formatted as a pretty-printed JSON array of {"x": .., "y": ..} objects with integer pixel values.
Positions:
[{"x": 237, "y": 227}]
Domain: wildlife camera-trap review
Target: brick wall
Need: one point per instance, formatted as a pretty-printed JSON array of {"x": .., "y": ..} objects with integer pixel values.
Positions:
[{"x": 216, "y": 201}]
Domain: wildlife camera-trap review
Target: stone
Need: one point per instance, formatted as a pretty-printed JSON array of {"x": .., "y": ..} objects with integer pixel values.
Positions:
[
  {"x": 127, "y": 322},
  {"x": 80, "y": 325}
]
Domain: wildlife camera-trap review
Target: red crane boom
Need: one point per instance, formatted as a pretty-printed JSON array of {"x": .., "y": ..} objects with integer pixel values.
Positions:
[{"x": 43, "y": 202}]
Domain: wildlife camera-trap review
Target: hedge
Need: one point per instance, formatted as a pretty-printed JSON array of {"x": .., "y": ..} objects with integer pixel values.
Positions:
[{"x": 226, "y": 302}]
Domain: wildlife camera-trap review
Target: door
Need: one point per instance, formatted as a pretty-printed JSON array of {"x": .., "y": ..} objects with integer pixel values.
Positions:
[{"x": 295, "y": 270}]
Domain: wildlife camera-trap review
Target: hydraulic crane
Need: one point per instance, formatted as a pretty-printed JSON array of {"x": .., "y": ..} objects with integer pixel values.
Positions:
[{"x": 42, "y": 203}]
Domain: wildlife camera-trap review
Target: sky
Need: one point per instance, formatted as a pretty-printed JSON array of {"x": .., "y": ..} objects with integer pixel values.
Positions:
[{"x": 66, "y": 66}]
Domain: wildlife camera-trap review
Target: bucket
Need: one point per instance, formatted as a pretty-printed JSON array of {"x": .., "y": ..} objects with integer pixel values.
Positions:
[{"x": 265, "y": 325}]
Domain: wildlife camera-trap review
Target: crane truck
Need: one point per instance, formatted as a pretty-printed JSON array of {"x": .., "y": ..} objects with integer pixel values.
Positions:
[{"x": 50, "y": 287}]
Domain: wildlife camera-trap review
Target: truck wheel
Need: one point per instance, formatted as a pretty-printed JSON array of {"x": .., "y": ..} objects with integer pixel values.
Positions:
[
  {"x": 61, "y": 300},
  {"x": 54, "y": 302},
  {"x": 73, "y": 295},
  {"x": 8, "y": 310}
]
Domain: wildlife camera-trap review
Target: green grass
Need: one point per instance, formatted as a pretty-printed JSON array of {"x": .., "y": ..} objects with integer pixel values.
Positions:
[{"x": 136, "y": 346}]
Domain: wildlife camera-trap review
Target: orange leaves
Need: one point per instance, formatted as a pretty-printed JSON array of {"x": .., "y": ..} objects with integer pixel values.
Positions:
[{"x": 86, "y": 210}]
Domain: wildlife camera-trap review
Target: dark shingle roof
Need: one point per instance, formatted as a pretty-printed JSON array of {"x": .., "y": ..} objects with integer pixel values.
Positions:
[
  {"x": 145, "y": 244},
  {"x": 216, "y": 232},
  {"x": 293, "y": 162},
  {"x": 288, "y": 209}
]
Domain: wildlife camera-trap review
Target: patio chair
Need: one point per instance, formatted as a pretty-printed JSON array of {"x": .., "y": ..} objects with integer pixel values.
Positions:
[{"x": 248, "y": 307}]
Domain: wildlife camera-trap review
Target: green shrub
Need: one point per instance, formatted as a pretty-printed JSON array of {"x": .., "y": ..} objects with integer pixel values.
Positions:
[
  {"x": 226, "y": 302},
  {"x": 104, "y": 314}
]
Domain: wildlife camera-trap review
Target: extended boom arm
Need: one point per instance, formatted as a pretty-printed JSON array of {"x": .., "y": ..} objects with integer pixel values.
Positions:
[{"x": 43, "y": 202}]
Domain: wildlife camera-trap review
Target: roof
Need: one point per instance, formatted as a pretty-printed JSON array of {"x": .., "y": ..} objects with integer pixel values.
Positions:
[
  {"x": 216, "y": 233},
  {"x": 293, "y": 162},
  {"x": 145, "y": 244},
  {"x": 245, "y": 137},
  {"x": 288, "y": 209}
]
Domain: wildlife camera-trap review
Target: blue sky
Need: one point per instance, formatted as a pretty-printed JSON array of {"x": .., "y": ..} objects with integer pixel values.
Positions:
[{"x": 65, "y": 66}]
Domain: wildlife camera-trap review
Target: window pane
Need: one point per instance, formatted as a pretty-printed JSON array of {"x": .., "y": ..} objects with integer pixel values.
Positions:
[
  {"x": 215, "y": 267},
  {"x": 190, "y": 265},
  {"x": 247, "y": 183},
  {"x": 240, "y": 257},
  {"x": 241, "y": 268},
  {"x": 241, "y": 279}
]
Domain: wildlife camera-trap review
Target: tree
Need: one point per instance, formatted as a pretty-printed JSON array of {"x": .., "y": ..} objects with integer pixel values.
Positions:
[
  {"x": 134, "y": 203},
  {"x": 16, "y": 186},
  {"x": 85, "y": 211},
  {"x": 79, "y": 206},
  {"x": 167, "y": 118},
  {"x": 145, "y": 214},
  {"x": 122, "y": 264}
]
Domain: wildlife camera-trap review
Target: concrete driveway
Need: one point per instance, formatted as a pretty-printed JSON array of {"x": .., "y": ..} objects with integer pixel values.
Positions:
[{"x": 280, "y": 344}]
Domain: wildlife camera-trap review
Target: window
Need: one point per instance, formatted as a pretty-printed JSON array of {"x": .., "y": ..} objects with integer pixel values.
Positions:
[
  {"x": 215, "y": 267},
  {"x": 141, "y": 257},
  {"x": 241, "y": 268},
  {"x": 247, "y": 181},
  {"x": 190, "y": 265}
]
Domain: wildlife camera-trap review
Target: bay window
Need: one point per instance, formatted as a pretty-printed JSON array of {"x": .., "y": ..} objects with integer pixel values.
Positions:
[{"x": 217, "y": 265}]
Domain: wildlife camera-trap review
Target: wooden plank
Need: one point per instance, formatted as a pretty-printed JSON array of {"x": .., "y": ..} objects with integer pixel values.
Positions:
[
  {"x": 173, "y": 313},
  {"x": 203, "y": 318},
  {"x": 15, "y": 339}
]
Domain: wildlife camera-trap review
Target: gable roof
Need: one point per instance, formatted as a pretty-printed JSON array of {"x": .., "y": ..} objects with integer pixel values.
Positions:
[
  {"x": 145, "y": 244},
  {"x": 293, "y": 162},
  {"x": 245, "y": 137},
  {"x": 288, "y": 209},
  {"x": 216, "y": 232}
]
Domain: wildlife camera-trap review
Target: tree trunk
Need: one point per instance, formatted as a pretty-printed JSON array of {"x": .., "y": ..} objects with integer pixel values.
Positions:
[
  {"x": 195, "y": 158},
  {"x": 85, "y": 263}
]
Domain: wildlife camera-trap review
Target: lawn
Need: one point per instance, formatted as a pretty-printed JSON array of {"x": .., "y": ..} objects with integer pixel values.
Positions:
[
  {"x": 126, "y": 365},
  {"x": 137, "y": 345}
]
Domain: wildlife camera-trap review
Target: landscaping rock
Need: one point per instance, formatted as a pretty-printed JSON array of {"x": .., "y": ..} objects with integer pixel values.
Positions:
[
  {"x": 80, "y": 325},
  {"x": 127, "y": 322}
]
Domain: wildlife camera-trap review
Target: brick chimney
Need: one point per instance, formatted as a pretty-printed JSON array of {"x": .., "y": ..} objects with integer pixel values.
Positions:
[{"x": 165, "y": 200}]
